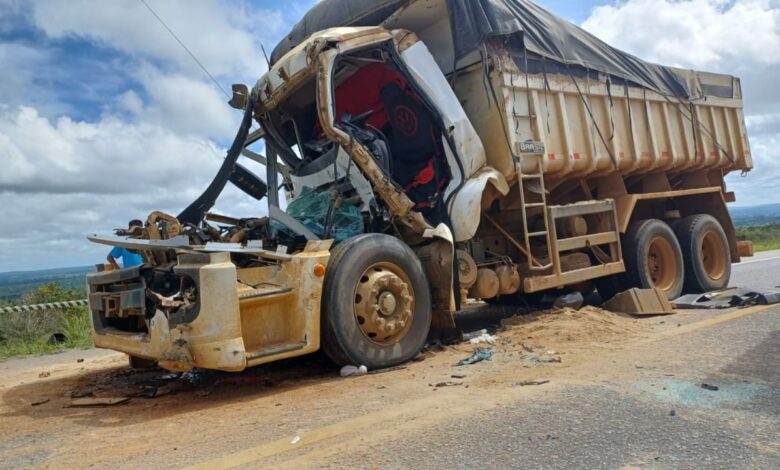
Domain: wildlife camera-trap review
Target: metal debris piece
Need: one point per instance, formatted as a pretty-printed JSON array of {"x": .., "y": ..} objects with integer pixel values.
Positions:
[
  {"x": 478, "y": 356},
  {"x": 711, "y": 388},
  {"x": 90, "y": 402},
  {"x": 40, "y": 401},
  {"x": 729, "y": 298},
  {"x": 640, "y": 302}
]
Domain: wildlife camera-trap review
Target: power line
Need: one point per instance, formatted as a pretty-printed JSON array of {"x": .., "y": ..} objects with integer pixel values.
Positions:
[{"x": 185, "y": 48}]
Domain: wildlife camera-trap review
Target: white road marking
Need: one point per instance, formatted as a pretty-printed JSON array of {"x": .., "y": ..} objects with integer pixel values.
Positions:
[{"x": 757, "y": 261}]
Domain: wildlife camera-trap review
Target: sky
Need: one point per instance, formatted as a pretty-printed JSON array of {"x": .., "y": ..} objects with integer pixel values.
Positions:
[{"x": 104, "y": 117}]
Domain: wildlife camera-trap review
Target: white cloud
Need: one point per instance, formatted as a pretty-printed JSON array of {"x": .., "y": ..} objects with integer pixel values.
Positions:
[
  {"x": 106, "y": 157},
  {"x": 738, "y": 37},
  {"x": 224, "y": 36},
  {"x": 693, "y": 33},
  {"x": 156, "y": 132},
  {"x": 63, "y": 179}
]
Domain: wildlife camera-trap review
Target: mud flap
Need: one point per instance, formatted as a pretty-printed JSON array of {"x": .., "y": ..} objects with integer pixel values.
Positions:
[{"x": 437, "y": 258}]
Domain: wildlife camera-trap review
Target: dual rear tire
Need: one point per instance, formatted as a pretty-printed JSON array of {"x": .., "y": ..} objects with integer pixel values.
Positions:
[{"x": 691, "y": 256}]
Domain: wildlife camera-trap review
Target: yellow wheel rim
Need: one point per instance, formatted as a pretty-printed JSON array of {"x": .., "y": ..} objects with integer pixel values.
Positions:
[
  {"x": 713, "y": 255},
  {"x": 384, "y": 303},
  {"x": 662, "y": 267}
]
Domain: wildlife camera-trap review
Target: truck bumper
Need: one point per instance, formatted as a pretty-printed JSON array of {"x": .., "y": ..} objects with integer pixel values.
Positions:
[{"x": 240, "y": 318}]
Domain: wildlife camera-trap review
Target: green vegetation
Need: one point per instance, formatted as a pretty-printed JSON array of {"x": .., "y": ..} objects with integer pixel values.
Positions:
[
  {"x": 764, "y": 237},
  {"x": 42, "y": 332}
]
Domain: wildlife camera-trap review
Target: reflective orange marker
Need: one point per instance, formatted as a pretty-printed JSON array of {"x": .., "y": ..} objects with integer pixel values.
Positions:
[{"x": 319, "y": 270}]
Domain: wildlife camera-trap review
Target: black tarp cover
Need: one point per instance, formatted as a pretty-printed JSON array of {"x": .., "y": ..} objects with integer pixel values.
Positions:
[{"x": 473, "y": 21}]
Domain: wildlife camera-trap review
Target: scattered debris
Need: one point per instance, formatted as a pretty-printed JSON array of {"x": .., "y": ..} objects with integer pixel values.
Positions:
[
  {"x": 526, "y": 383},
  {"x": 295, "y": 440},
  {"x": 353, "y": 371},
  {"x": 484, "y": 338},
  {"x": 474, "y": 334},
  {"x": 458, "y": 376},
  {"x": 534, "y": 359},
  {"x": 479, "y": 355},
  {"x": 44, "y": 374},
  {"x": 574, "y": 300},
  {"x": 673, "y": 412},
  {"x": 90, "y": 402},
  {"x": 729, "y": 298},
  {"x": 80, "y": 360},
  {"x": 446, "y": 384},
  {"x": 711, "y": 388},
  {"x": 641, "y": 302},
  {"x": 40, "y": 401}
]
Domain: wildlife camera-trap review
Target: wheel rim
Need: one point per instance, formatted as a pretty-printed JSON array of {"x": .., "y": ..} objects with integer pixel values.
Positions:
[
  {"x": 384, "y": 303},
  {"x": 662, "y": 264},
  {"x": 713, "y": 255}
]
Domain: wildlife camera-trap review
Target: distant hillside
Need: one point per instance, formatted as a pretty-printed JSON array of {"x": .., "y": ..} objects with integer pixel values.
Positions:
[
  {"x": 13, "y": 285},
  {"x": 756, "y": 215}
]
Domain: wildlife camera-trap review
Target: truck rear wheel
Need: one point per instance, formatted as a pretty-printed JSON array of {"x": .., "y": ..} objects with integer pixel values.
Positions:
[
  {"x": 653, "y": 257},
  {"x": 376, "y": 303},
  {"x": 706, "y": 253}
]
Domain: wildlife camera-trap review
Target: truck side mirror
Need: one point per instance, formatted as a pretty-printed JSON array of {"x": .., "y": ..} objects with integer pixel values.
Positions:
[{"x": 240, "y": 96}]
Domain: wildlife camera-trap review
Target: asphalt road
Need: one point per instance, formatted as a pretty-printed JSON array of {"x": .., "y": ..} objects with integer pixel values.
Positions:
[
  {"x": 646, "y": 413},
  {"x": 759, "y": 272}
]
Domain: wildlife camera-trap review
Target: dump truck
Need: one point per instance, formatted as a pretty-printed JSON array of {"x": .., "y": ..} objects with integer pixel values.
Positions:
[{"x": 419, "y": 155}]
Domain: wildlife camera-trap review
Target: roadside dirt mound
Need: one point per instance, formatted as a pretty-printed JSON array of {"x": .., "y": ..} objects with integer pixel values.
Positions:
[{"x": 587, "y": 326}]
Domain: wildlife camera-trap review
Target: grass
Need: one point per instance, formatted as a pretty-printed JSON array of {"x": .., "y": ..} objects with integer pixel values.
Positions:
[
  {"x": 764, "y": 237},
  {"x": 33, "y": 333}
]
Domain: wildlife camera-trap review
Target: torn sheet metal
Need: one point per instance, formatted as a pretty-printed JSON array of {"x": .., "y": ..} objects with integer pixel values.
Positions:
[
  {"x": 182, "y": 243},
  {"x": 728, "y": 299}
]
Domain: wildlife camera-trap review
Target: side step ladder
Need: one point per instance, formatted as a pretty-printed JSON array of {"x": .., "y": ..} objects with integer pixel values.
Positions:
[{"x": 534, "y": 178}]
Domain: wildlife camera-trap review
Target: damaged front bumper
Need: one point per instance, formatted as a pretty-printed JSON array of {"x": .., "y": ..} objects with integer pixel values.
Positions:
[{"x": 215, "y": 315}]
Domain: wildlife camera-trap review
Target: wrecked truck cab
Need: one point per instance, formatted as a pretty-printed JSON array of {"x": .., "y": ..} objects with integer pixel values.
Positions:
[{"x": 356, "y": 116}]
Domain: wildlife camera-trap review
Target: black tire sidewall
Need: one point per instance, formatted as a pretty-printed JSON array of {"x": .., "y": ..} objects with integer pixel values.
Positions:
[
  {"x": 342, "y": 331},
  {"x": 691, "y": 232},
  {"x": 636, "y": 246}
]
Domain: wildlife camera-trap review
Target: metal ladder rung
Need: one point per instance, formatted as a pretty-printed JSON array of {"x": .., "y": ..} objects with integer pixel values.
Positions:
[
  {"x": 532, "y": 177},
  {"x": 535, "y": 204},
  {"x": 542, "y": 268},
  {"x": 537, "y": 234}
]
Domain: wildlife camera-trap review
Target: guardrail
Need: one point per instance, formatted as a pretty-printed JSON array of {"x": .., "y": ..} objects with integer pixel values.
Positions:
[{"x": 42, "y": 307}]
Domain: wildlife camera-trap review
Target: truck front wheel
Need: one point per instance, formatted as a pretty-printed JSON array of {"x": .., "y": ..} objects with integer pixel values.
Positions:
[
  {"x": 706, "y": 253},
  {"x": 653, "y": 257},
  {"x": 376, "y": 303}
]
